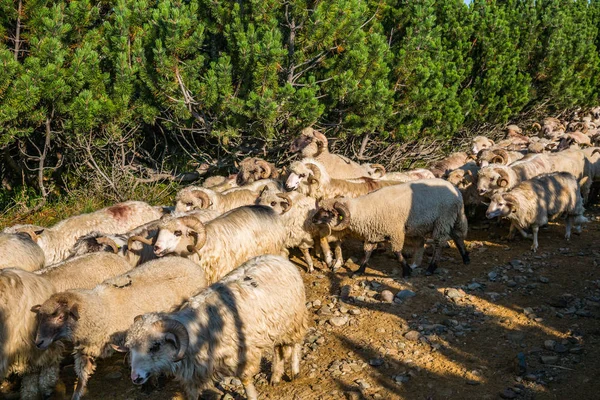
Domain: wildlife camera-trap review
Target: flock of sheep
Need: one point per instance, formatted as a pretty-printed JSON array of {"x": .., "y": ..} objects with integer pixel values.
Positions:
[{"x": 203, "y": 289}]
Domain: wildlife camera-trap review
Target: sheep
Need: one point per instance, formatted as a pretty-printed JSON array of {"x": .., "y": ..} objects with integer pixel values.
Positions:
[
  {"x": 19, "y": 291},
  {"x": 220, "y": 183},
  {"x": 551, "y": 127},
  {"x": 136, "y": 246},
  {"x": 20, "y": 250},
  {"x": 576, "y": 163},
  {"x": 497, "y": 156},
  {"x": 57, "y": 241},
  {"x": 410, "y": 210},
  {"x": 515, "y": 137},
  {"x": 313, "y": 144},
  {"x": 573, "y": 139},
  {"x": 93, "y": 319},
  {"x": 253, "y": 169},
  {"x": 194, "y": 197},
  {"x": 441, "y": 168},
  {"x": 225, "y": 242},
  {"x": 465, "y": 179},
  {"x": 501, "y": 177},
  {"x": 311, "y": 178},
  {"x": 404, "y": 176},
  {"x": 225, "y": 329},
  {"x": 533, "y": 202},
  {"x": 481, "y": 143}
]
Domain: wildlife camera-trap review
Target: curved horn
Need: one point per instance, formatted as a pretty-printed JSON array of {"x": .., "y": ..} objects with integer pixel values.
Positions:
[
  {"x": 138, "y": 239},
  {"x": 504, "y": 178},
  {"x": 288, "y": 200},
  {"x": 197, "y": 226},
  {"x": 109, "y": 242},
  {"x": 316, "y": 173},
  {"x": 267, "y": 168},
  {"x": 175, "y": 328},
  {"x": 503, "y": 155},
  {"x": 595, "y": 151},
  {"x": 537, "y": 126},
  {"x": 206, "y": 202},
  {"x": 380, "y": 168},
  {"x": 344, "y": 216},
  {"x": 512, "y": 200}
]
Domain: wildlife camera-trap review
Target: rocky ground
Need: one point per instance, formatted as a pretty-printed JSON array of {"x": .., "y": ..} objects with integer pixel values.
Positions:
[{"x": 512, "y": 325}]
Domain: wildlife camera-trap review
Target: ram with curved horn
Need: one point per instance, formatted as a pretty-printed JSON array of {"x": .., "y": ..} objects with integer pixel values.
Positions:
[
  {"x": 533, "y": 203},
  {"x": 412, "y": 211},
  {"x": 261, "y": 308},
  {"x": 253, "y": 169},
  {"x": 196, "y": 198},
  {"x": 498, "y": 156},
  {"x": 93, "y": 319},
  {"x": 375, "y": 171},
  {"x": 225, "y": 242},
  {"x": 442, "y": 168},
  {"x": 500, "y": 178},
  {"x": 313, "y": 144},
  {"x": 311, "y": 178}
]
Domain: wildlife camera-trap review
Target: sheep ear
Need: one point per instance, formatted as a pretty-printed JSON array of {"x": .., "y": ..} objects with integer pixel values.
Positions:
[
  {"x": 74, "y": 311},
  {"x": 120, "y": 349},
  {"x": 36, "y": 308},
  {"x": 39, "y": 232}
]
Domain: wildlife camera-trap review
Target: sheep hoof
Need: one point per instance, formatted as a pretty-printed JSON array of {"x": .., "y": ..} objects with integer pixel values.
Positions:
[
  {"x": 431, "y": 269},
  {"x": 466, "y": 259},
  {"x": 568, "y": 236}
]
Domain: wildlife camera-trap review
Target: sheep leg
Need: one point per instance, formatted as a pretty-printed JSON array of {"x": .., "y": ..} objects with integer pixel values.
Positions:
[
  {"x": 84, "y": 368},
  {"x": 278, "y": 366},
  {"x": 462, "y": 249},
  {"x": 251, "y": 393},
  {"x": 406, "y": 269},
  {"x": 523, "y": 233},
  {"x": 368, "y": 247},
  {"x": 339, "y": 259},
  {"x": 308, "y": 259},
  {"x": 437, "y": 251},
  {"x": 569, "y": 226},
  {"x": 296, "y": 356},
  {"x": 535, "y": 230},
  {"x": 511, "y": 232},
  {"x": 29, "y": 386},
  {"x": 192, "y": 391},
  {"x": 326, "y": 251}
]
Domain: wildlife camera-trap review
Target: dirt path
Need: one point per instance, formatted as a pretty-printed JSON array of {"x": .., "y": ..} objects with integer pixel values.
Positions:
[{"x": 511, "y": 322}]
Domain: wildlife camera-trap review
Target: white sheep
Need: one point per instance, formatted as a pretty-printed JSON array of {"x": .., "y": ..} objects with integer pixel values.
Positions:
[
  {"x": 225, "y": 329},
  {"x": 93, "y": 319},
  {"x": 253, "y": 169},
  {"x": 225, "y": 242},
  {"x": 20, "y": 250},
  {"x": 410, "y": 210},
  {"x": 57, "y": 241},
  {"x": 498, "y": 156},
  {"x": 441, "y": 168},
  {"x": 311, "y": 178},
  {"x": 533, "y": 202},
  {"x": 313, "y": 144},
  {"x": 19, "y": 292},
  {"x": 498, "y": 178}
]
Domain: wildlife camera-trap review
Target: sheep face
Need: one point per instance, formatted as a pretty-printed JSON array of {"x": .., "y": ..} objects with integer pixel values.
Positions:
[
  {"x": 155, "y": 344},
  {"x": 192, "y": 199},
  {"x": 461, "y": 179},
  {"x": 182, "y": 236},
  {"x": 254, "y": 169},
  {"x": 333, "y": 214},
  {"x": 500, "y": 206},
  {"x": 300, "y": 178},
  {"x": 596, "y": 112},
  {"x": 279, "y": 202},
  {"x": 490, "y": 179},
  {"x": 56, "y": 319},
  {"x": 481, "y": 143}
]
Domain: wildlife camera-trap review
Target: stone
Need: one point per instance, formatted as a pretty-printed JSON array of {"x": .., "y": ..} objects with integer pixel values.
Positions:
[
  {"x": 363, "y": 384},
  {"x": 515, "y": 336},
  {"x": 338, "y": 321},
  {"x": 508, "y": 393},
  {"x": 549, "y": 359},
  {"x": 543, "y": 279},
  {"x": 354, "y": 311},
  {"x": 412, "y": 336},
  {"x": 492, "y": 276},
  {"x": 386, "y": 296},
  {"x": 515, "y": 263},
  {"x": 114, "y": 375},
  {"x": 474, "y": 286},
  {"x": 376, "y": 362},
  {"x": 454, "y": 294},
  {"x": 405, "y": 294},
  {"x": 560, "y": 348},
  {"x": 549, "y": 344}
]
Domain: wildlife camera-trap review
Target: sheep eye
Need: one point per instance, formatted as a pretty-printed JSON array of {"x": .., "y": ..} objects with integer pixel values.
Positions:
[
  {"x": 155, "y": 347},
  {"x": 177, "y": 233},
  {"x": 302, "y": 175},
  {"x": 189, "y": 204},
  {"x": 273, "y": 204}
]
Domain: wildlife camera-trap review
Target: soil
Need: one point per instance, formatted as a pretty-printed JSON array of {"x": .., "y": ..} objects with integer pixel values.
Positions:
[{"x": 512, "y": 324}]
